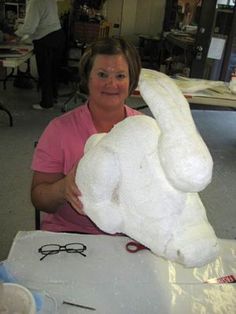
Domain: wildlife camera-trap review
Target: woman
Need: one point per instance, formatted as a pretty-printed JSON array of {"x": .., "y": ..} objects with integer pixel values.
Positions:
[{"x": 110, "y": 71}]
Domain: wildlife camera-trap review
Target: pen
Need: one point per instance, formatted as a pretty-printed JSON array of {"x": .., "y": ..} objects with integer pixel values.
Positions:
[{"x": 79, "y": 305}]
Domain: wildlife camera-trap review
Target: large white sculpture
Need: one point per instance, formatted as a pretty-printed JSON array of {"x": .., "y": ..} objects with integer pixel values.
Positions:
[{"x": 142, "y": 177}]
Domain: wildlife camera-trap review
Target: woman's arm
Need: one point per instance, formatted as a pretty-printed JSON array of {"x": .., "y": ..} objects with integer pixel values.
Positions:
[{"x": 50, "y": 190}]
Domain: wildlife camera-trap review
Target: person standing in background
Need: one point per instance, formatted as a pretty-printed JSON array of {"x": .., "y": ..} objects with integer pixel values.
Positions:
[{"x": 42, "y": 25}]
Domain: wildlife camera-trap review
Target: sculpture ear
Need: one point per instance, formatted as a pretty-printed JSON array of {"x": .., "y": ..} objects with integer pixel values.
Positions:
[
  {"x": 92, "y": 141},
  {"x": 184, "y": 156}
]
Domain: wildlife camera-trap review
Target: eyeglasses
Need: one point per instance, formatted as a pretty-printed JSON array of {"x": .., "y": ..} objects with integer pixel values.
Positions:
[{"x": 51, "y": 249}]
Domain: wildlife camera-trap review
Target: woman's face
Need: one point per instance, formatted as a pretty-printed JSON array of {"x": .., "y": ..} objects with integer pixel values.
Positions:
[{"x": 109, "y": 81}]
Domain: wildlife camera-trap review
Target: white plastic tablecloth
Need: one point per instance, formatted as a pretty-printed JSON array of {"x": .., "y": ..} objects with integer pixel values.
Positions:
[{"x": 114, "y": 281}]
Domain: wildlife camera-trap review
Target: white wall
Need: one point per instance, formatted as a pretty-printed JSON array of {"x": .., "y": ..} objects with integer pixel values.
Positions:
[
  {"x": 149, "y": 17},
  {"x": 129, "y": 19},
  {"x": 156, "y": 17},
  {"x": 113, "y": 9},
  {"x": 135, "y": 17}
]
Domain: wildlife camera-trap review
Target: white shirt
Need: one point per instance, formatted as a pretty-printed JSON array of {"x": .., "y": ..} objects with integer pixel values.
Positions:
[{"x": 41, "y": 19}]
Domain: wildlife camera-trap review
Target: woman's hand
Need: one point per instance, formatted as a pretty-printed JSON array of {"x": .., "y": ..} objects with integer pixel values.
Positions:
[
  {"x": 72, "y": 193},
  {"x": 51, "y": 190},
  {"x": 10, "y": 38}
]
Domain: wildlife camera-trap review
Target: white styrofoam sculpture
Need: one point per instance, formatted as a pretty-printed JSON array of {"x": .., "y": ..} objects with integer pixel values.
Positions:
[{"x": 142, "y": 177}]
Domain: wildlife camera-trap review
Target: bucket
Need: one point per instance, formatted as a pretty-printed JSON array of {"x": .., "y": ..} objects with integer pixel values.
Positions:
[{"x": 15, "y": 298}]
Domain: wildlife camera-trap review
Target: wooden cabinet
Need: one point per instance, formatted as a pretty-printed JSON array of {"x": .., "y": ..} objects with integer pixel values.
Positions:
[
  {"x": 86, "y": 22},
  {"x": 86, "y": 32}
]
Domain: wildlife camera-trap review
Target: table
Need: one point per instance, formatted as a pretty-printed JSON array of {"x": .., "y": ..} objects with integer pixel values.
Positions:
[
  {"x": 207, "y": 97},
  {"x": 217, "y": 101},
  {"x": 112, "y": 280},
  {"x": 212, "y": 93},
  {"x": 12, "y": 56}
]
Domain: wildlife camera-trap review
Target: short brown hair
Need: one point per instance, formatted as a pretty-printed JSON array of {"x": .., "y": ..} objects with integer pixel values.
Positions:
[{"x": 110, "y": 46}]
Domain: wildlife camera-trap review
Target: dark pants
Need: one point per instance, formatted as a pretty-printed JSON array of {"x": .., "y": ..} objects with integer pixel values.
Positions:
[{"x": 49, "y": 52}]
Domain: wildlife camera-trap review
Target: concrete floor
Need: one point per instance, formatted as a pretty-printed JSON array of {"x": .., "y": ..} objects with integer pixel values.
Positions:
[{"x": 218, "y": 128}]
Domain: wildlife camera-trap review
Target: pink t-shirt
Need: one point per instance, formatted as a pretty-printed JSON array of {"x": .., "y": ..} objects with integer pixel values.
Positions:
[{"x": 59, "y": 148}]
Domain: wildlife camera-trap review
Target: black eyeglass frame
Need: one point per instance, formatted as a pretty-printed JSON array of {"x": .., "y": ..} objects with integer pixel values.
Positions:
[{"x": 45, "y": 249}]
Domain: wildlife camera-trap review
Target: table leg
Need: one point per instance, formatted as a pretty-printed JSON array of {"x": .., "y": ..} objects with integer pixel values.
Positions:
[
  {"x": 26, "y": 74},
  {"x": 7, "y": 77},
  {"x": 8, "y": 112}
]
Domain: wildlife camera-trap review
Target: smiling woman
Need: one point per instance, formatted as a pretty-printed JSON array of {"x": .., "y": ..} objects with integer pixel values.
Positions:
[
  {"x": 110, "y": 71},
  {"x": 108, "y": 89},
  {"x": 110, "y": 47}
]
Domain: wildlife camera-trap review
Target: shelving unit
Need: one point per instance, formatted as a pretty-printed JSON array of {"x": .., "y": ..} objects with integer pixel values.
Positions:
[
  {"x": 12, "y": 11},
  {"x": 224, "y": 28},
  {"x": 171, "y": 8},
  {"x": 229, "y": 61},
  {"x": 223, "y": 21}
]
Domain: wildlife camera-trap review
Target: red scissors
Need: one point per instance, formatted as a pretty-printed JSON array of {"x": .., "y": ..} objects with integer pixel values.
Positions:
[{"x": 134, "y": 247}]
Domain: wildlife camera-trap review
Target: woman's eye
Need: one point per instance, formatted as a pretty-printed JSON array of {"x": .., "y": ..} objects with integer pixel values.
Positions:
[
  {"x": 102, "y": 75},
  {"x": 121, "y": 76}
]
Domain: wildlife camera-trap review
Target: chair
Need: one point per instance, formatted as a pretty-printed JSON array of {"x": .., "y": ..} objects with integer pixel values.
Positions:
[
  {"x": 70, "y": 74},
  {"x": 69, "y": 71},
  {"x": 37, "y": 218},
  {"x": 37, "y": 214},
  {"x": 75, "y": 95}
]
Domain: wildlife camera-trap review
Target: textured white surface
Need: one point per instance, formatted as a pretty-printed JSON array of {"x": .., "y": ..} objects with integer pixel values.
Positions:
[
  {"x": 115, "y": 281},
  {"x": 142, "y": 177},
  {"x": 232, "y": 85}
]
